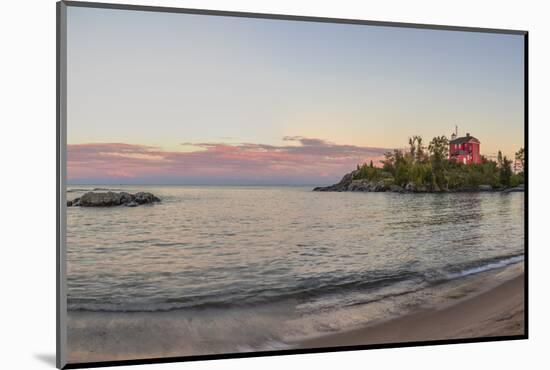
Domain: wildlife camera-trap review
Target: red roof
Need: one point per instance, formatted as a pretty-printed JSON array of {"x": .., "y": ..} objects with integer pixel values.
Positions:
[{"x": 464, "y": 139}]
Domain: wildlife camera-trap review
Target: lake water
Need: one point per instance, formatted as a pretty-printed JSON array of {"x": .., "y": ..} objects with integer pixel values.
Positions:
[{"x": 257, "y": 263}]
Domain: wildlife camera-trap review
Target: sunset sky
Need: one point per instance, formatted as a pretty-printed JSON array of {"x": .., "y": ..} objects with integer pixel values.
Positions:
[{"x": 186, "y": 99}]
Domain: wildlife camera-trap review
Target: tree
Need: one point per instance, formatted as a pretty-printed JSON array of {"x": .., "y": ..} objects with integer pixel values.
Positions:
[
  {"x": 439, "y": 151},
  {"x": 412, "y": 146},
  {"x": 439, "y": 147},
  {"x": 416, "y": 149},
  {"x": 392, "y": 160},
  {"x": 388, "y": 163},
  {"x": 430, "y": 169},
  {"x": 402, "y": 173},
  {"x": 520, "y": 158},
  {"x": 419, "y": 149},
  {"x": 505, "y": 169}
]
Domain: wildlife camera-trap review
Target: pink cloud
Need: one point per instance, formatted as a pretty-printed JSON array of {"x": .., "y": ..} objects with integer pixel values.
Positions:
[{"x": 307, "y": 160}]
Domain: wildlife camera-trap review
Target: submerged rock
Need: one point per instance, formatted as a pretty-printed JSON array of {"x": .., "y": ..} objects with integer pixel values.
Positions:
[{"x": 111, "y": 199}]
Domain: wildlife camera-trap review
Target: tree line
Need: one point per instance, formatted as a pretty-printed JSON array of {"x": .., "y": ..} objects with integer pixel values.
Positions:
[{"x": 429, "y": 166}]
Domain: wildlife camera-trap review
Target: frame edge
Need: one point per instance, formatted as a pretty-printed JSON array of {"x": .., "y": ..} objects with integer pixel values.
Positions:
[
  {"x": 287, "y": 17},
  {"x": 61, "y": 121}
]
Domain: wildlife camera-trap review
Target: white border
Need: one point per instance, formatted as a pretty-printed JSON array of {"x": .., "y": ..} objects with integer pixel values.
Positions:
[{"x": 28, "y": 181}]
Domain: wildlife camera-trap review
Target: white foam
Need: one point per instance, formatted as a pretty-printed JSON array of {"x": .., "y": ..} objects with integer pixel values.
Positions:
[{"x": 487, "y": 267}]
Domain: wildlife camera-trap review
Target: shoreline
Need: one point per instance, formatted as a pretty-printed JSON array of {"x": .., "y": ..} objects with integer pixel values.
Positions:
[
  {"x": 452, "y": 191},
  {"x": 355, "y": 181},
  {"x": 370, "y": 187},
  {"x": 493, "y": 312},
  {"x": 484, "y": 304}
]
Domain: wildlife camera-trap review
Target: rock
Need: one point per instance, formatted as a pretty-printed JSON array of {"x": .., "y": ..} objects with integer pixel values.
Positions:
[
  {"x": 110, "y": 199},
  {"x": 413, "y": 188},
  {"x": 367, "y": 186},
  {"x": 422, "y": 189},
  {"x": 359, "y": 185},
  {"x": 126, "y": 198},
  {"x": 380, "y": 186},
  {"x": 465, "y": 189},
  {"x": 410, "y": 187},
  {"x": 485, "y": 188},
  {"x": 349, "y": 184},
  {"x": 144, "y": 198},
  {"x": 517, "y": 189},
  {"x": 107, "y": 199},
  {"x": 396, "y": 189},
  {"x": 73, "y": 203},
  {"x": 341, "y": 186}
]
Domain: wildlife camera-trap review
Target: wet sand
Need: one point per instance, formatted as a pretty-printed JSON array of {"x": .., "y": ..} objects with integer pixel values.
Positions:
[{"x": 496, "y": 312}]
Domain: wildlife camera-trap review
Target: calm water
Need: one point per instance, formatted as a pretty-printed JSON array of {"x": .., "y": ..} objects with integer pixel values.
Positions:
[{"x": 204, "y": 249}]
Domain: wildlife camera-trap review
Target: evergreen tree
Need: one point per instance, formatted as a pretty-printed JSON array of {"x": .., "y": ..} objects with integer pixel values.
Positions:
[
  {"x": 520, "y": 157},
  {"x": 505, "y": 171},
  {"x": 439, "y": 152}
]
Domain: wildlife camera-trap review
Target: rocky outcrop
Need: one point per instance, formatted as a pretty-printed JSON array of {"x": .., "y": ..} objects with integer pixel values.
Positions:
[
  {"x": 413, "y": 188},
  {"x": 111, "y": 199},
  {"x": 348, "y": 183},
  {"x": 366, "y": 185},
  {"x": 341, "y": 186},
  {"x": 396, "y": 189}
]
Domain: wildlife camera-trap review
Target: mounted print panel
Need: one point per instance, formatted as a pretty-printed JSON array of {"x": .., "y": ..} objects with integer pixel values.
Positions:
[{"x": 237, "y": 184}]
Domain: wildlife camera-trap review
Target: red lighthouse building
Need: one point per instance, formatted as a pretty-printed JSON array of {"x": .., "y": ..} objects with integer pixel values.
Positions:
[{"x": 464, "y": 149}]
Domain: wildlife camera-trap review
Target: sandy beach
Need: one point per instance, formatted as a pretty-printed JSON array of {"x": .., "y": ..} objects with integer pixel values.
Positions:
[
  {"x": 487, "y": 304},
  {"x": 498, "y": 311}
]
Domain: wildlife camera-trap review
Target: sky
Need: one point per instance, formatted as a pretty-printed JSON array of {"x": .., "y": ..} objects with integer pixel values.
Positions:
[{"x": 161, "y": 98}]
